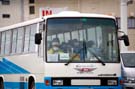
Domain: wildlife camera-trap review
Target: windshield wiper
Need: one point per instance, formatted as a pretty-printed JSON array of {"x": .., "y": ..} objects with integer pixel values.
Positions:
[
  {"x": 97, "y": 57},
  {"x": 84, "y": 45},
  {"x": 68, "y": 62},
  {"x": 84, "y": 50}
]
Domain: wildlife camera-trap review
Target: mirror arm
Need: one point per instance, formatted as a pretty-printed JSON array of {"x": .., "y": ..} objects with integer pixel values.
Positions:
[{"x": 121, "y": 37}]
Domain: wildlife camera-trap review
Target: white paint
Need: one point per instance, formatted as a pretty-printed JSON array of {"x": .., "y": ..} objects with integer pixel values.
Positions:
[
  {"x": 60, "y": 70},
  {"x": 85, "y": 82}
]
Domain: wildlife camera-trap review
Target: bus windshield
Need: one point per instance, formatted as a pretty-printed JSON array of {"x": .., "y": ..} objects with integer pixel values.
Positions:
[{"x": 81, "y": 39}]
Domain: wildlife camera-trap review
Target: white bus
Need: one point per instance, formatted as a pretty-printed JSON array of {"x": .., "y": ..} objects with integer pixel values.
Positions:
[{"x": 74, "y": 51}]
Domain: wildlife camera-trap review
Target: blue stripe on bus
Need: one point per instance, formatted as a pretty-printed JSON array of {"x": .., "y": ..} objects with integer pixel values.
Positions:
[
  {"x": 15, "y": 85},
  {"x": 8, "y": 67}
]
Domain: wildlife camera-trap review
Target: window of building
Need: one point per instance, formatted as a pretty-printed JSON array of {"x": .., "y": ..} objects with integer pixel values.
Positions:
[
  {"x": 32, "y": 9},
  {"x": 31, "y": 1},
  {"x": 5, "y": 2},
  {"x": 6, "y": 16},
  {"x": 131, "y": 22}
]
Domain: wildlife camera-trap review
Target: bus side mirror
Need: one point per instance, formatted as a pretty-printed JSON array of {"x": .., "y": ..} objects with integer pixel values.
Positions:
[
  {"x": 125, "y": 39},
  {"x": 38, "y": 38}
]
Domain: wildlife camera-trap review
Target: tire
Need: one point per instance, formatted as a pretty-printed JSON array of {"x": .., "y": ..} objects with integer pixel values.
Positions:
[
  {"x": 32, "y": 85},
  {"x": 1, "y": 84}
]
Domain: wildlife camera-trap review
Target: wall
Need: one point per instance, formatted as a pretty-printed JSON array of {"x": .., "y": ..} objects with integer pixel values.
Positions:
[{"x": 14, "y": 9}]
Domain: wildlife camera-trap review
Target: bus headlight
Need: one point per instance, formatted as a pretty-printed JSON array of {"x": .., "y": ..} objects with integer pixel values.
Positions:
[
  {"x": 112, "y": 82},
  {"x": 57, "y": 82}
]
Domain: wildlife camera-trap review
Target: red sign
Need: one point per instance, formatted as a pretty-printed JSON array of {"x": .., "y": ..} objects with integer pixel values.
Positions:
[
  {"x": 49, "y": 11},
  {"x": 46, "y": 12}
]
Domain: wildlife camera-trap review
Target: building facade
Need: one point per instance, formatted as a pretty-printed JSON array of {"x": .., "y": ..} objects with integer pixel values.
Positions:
[
  {"x": 10, "y": 12},
  {"x": 21, "y": 10}
]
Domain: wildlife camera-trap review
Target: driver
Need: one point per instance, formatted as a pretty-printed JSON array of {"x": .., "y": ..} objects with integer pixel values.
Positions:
[{"x": 55, "y": 47}]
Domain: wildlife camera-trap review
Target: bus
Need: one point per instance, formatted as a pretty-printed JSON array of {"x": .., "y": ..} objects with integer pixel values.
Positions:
[{"x": 68, "y": 50}]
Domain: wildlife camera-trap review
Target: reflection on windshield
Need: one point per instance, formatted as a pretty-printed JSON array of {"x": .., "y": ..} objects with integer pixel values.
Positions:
[
  {"x": 73, "y": 38},
  {"x": 128, "y": 59}
]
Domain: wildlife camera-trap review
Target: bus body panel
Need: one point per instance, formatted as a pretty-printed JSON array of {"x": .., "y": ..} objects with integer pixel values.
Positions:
[{"x": 76, "y": 69}]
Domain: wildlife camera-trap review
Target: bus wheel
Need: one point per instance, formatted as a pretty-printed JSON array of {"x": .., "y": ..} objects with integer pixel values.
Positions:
[
  {"x": 1, "y": 83},
  {"x": 31, "y": 83},
  {"x": 32, "y": 86}
]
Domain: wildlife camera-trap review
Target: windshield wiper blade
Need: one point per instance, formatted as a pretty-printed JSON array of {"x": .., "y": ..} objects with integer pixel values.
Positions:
[
  {"x": 97, "y": 57},
  {"x": 84, "y": 47},
  {"x": 68, "y": 62}
]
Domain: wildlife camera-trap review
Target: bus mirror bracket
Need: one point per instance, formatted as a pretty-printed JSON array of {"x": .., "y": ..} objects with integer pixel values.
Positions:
[{"x": 38, "y": 38}]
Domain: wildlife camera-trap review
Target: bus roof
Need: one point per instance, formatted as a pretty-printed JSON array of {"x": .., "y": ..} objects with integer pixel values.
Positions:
[
  {"x": 78, "y": 14},
  {"x": 61, "y": 14},
  {"x": 29, "y": 22}
]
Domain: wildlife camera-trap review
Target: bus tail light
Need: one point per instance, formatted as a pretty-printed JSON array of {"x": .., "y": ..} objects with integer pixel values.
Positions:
[
  {"x": 47, "y": 82},
  {"x": 121, "y": 81}
]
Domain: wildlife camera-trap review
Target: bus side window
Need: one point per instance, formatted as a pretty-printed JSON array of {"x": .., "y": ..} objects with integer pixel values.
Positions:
[
  {"x": 14, "y": 40},
  {"x": 3, "y": 43},
  {"x": 8, "y": 42},
  {"x": 20, "y": 37},
  {"x": 27, "y": 38},
  {"x": 32, "y": 35}
]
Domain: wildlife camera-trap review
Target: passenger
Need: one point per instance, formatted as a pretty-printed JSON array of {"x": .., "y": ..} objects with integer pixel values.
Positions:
[
  {"x": 55, "y": 47},
  {"x": 64, "y": 47},
  {"x": 76, "y": 50},
  {"x": 80, "y": 49}
]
